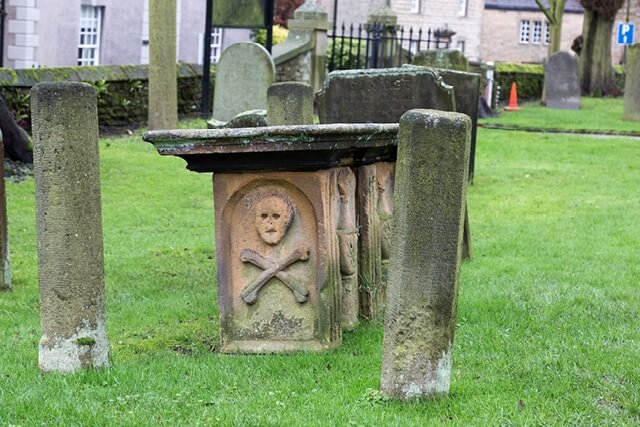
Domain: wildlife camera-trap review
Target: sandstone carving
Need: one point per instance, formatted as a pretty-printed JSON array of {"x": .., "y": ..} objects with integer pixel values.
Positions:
[{"x": 348, "y": 245}]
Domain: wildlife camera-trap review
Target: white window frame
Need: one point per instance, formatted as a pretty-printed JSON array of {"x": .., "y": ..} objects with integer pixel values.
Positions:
[
  {"x": 216, "y": 44},
  {"x": 415, "y": 6},
  {"x": 536, "y": 33},
  {"x": 460, "y": 45},
  {"x": 90, "y": 35},
  {"x": 463, "y": 8},
  {"x": 525, "y": 28}
]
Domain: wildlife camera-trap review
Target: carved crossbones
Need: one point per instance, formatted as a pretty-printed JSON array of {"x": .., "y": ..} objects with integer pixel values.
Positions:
[{"x": 273, "y": 269}]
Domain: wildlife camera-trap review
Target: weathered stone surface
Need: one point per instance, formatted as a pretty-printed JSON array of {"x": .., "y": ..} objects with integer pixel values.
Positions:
[
  {"x": 348, "y": 244},
  {"x": 381, "y": 95},
  {"x": 5, "y": 267},
  {"x": 163, "y": 83},
  {"x": 278, "y": 260},
  {"x": 243, "y": 74},
  {"x": 69, "y": 227},
  {"x": 239, "y": 13},
  {"x": 370, "y": 277},
  {"x": 561, "y": 84},
  {"x": 385, "y": 177},
  {"x": 296, "y": 147},
  {"x": 632, "y": 84},
  {"x": 290, "y": 103},
  {"x": 450, "y": 59},
  {"x": 246, "y": 119},
  {"x": 430, "y": 194}
]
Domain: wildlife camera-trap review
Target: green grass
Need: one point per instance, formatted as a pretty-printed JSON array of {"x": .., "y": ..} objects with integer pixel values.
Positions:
[
  {"x": 547, "y": 324},
  {"x": 595, "y": 115}
]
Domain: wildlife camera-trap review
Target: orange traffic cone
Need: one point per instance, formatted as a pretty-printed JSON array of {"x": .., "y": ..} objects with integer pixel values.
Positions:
[{"x": 513, "y": 98}]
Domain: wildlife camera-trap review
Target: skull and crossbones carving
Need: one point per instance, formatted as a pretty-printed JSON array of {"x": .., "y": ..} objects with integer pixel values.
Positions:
[{"x": 274, "y": 215}]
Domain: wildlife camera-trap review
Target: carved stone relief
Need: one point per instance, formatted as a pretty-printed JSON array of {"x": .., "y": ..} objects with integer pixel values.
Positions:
[{"x": 348, "y": 244}]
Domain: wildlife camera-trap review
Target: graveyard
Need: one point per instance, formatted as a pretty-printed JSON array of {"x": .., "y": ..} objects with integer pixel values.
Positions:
[{"x": 546, "y": 325}]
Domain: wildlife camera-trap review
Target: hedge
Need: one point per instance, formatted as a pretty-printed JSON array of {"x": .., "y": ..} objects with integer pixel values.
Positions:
[
  {"x": 530, "y": 80},
  {"x": 121, "y": 89}
]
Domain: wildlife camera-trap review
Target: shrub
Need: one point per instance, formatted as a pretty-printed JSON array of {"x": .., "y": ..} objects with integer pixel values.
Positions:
[{"x": 348, "y": 54}]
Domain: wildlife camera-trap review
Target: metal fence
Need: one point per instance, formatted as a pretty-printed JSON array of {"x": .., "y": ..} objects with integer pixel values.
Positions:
[{"x": 378, "y": 46}]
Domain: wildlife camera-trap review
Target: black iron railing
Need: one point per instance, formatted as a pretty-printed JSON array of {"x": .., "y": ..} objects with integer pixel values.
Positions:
[{"x": 377, "y": 45}]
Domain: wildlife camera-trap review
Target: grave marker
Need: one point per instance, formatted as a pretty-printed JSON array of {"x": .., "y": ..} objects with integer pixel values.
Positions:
[
  {"x": 69, "y": 227},
  {"x": 632, "y": 84},
  {"x": 561, "y": 83}
]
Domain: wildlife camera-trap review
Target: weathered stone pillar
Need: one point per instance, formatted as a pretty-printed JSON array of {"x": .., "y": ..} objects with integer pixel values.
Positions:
[
  {"x": 163, "y": 83},
  {"x": 430, "y": 194},
  {"x": 5, "y": 267},
  {"x": 290, "y": 103},
  {"x": 384, "y": 49},
  {"x": 632, "y": 84},
  {"x": 69, "y": 227}
]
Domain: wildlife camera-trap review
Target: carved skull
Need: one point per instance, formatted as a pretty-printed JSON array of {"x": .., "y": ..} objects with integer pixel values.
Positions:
[{"x": 274, "y": 215}]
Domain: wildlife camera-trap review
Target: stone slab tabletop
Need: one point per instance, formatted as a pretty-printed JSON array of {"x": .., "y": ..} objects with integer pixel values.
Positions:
[{"x": 274, "y": 148}]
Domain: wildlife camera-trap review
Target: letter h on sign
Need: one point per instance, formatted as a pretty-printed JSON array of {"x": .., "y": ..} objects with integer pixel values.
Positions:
[{"x": 625, "y": 33}]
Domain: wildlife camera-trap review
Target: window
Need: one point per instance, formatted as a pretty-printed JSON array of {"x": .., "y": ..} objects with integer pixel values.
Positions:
[
  {"x": 524, "y": 31},
  {"x": 463, "y": 8},
  {"x": 415, "y": 6},
  {"x": 216, "y": 44},
  {"x": 547, "y": 32},
  {"x": 90, "y": 29},
  {"x": 536, "y": 37},
  {"x": 460, "y": 46}
]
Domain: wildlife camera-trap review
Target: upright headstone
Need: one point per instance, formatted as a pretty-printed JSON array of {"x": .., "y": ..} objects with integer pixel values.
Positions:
[
  {"x": 561, "y": 83},
  {"x": 243, "y": 74},
  {"x": 290, "y": 103},
  {"x": 5, "y": 267},
  {"x": 163, "y": 86},
  {"x": 381, "y": 95},
  {"x": 451, "y": 59},
  {"x": 632, "y": 84},
  {"x": 69, "y": 227},
  {"x": 430, "y": 195}
]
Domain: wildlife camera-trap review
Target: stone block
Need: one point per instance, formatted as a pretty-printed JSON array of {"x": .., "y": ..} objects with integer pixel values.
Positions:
[
  {"x": 5, "y": 267},
  {"x": 290, "y": 103},
  {"x": 421, "y": 302},
  {"x": 561, "y": 83},
  {"x": 69, "y": 227},
  {"x": 278, "y": 258},
  {"x": 632, "y": 84},
  {"x": 243, "y": 74},
  {"x": 381, "y": 95}
]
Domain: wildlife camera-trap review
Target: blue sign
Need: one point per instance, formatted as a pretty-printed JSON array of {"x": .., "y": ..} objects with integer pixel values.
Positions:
[{"x": 625, "y": 33}]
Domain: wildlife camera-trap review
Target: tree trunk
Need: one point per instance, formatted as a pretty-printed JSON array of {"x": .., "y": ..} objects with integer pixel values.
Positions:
[
  {"x": 163, "y": 92},
  {"x": 555, "y": 26},
  {"x": 16, "y": 141},
  {"x": 596, "y": 72}
]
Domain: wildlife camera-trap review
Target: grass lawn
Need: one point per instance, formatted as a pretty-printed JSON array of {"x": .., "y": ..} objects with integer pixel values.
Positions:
[
  {"x": 596, "y": 115},
  {"x": 548, "y": 330}
]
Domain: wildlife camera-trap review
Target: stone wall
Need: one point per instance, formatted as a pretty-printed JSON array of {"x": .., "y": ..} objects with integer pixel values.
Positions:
[
  {"x": 122, "y": 90},
  {"x": 297, "y": 69}
]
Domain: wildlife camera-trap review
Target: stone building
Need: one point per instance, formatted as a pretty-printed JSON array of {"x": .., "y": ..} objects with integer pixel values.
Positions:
[
  {"x": 99, "y": 32},
  {"x": 517, "y": 31}
]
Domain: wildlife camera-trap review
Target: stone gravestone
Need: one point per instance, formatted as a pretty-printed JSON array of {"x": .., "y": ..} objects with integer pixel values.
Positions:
[
  {"x": 379, "y": 96},
  {"x": 450, "y": 59},
  {"x": 5, "y": 267},
  {"x": 561, "y": 83},
  {"x": 632, "y": 84},
  {"x": 243, "y": 74},
  {"x": 290, "y": 103},
  {"x": 69, "y": 227},
  {"x": 430, "y": 195}
]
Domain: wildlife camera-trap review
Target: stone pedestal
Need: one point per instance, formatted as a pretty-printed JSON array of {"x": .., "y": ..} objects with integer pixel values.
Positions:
[
  {"x": 430, "y": 194},
  {"x": 278, "y": 260},
  {"x": 69, "y": 227},
  {"x": 5, "y": 267},
  {"x": 286, "y": 232}
]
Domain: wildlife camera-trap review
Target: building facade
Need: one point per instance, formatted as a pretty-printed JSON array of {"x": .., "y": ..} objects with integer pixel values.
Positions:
[
  {"x": 55, "y": 33},
  {"x": 517, "y": 31}
]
